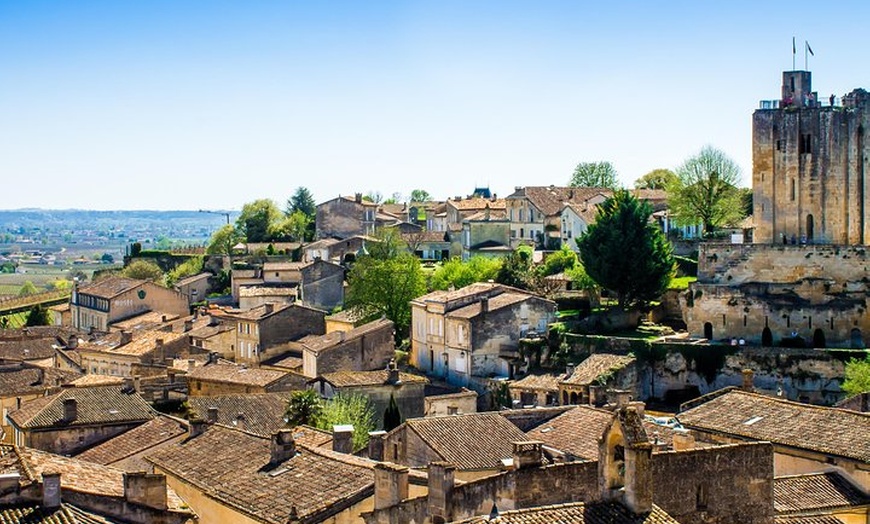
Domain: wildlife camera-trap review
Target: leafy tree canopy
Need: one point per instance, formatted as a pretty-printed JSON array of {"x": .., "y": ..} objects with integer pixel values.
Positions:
[
  {"x": 355, "y": 410},
  {"x": 857, "y": 376},
  {"x": 38, "y": 316},
  {"x": 516, "y": 268},
  {"x": 256, "y": 219},
  {"x": 625, "y": 253},
  {"x": 144, "y": 270},
  {"x": 223, "y": 240},
  {"x": 28, "y": 288},
  {"x": 292, "y": 227},
  {"x": 192, "y": 266},
  {"x": 302, "y": 201},
  {"x": 656, "y": 179},
  {"x": 457, "y": 273},
  {"x": 303, "y": 408},
  {"x": 705, "y": 191},
  {"x": 420, "y": 195},
  {"x": 559, "y": 262},
  {"x": 594, "y": 174}
]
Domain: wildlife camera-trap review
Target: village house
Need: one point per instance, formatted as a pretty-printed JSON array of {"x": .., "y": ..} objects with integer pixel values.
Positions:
[
  {"x": 378, "y": 387},
  {"x": 344, "y": 217},
  {"x": 21, "y": 382},
  {"x": 536, "y": 390},
  {"x": 126, "y": 451},
  {"x": 818, "y": 495},
  {"x": 258, "y": 413},
  {"x": 335, "y": 250},
  {"x": 40, "y": 487},
  {"x": 194, "y": 287},
  {"x": 97, "y": 305},
  {"x": 214, "y": 337},
  {"x": 77, "y": 418},
  {"x": 318, "y": 283},
  {"x": 438, "y": 403},
  {"x": 471, "y": 335},
  {"x": 486, "y": 233},
  {"x": 226, "y": 378},
  {"x": 130, "y": 353},
  {"x": 806, "y": 438},
  {"x": 588, "y": 381},
  {"x": 475, "y": 443},
  {"x": 429, "y": 245},
  {"x": 364, "y": 348},
  {"x": 270, "y": 480},
  {"x": 35, "y": 345}
]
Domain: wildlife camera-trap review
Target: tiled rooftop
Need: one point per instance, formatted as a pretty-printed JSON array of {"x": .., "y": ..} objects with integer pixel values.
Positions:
[
  {"x": 545, "y": 382},
  {"x": 576, "y": 513},
  {"x": 191, "y": 279},
  {"x": 470, "y": 204},
  {"x": 814, "y": 492},
  {"x": 264, "y": 413},
  {"x": 147, "y": 320},
  {"x": 21, "y": 379},
  {"x": 110, "y": 287},
  {"x": 34, "y": 513},
  {"x": 550, "y": 199},
  {"x": 576, "y": 431},
  {"x": 143, "y": 342},
  {"x": 811, "y": 519},
  {"x": 597, "y": 365},
  {"x": 148, "y": 435},
  {"x": 824, "y": 430},
  {"x": 314, "y": 481},
  {"x": 342, "y": 379},
  {"x": 95, "y": 405},
  {"x": 331, "y": 340},
  {"x": 29, "y": 349},
  {"x": 472, "y": 441},
  {"x": 235, "y": 374},
  {"x": 493, "y": 304},
  {"x": 87, "y": 381}
]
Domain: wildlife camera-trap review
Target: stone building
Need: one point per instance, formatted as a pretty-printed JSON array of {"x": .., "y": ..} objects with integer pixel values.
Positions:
[
  {"x": 21, "y": 382},
  {"x": 97, "y": 305},
  {"x": 808, "y": 166},
  {"x": 344, "y": 217},
  {"x": 225, "y": 378},
  {"x": 589, "y": 380},
  {"x": 367, "y": 347}
]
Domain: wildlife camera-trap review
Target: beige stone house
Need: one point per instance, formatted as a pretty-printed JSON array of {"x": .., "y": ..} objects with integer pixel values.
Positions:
[
  {"x": 77, "y": 418},
  {"x": 130, "y": 353},
  {"x": 21, "y": 382},
  {"x": 194, "y": 287},
  {"x": 589, "y": 380},
  {"x": 344, "y": 217},
  {"x": 364, "y": 348},
  {"x": 99, "y": 304},
  {"x": 806, "y": 438},
  {"x": 486, "y": 233},
  {"x": 225, "y": 378},
  {"x": 472, "y": 334}
]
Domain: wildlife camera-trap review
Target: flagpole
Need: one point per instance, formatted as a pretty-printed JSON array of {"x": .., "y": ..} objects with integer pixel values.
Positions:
[
  {"x": 806, "y": 56},
  {"x": 793, "y": 53}
]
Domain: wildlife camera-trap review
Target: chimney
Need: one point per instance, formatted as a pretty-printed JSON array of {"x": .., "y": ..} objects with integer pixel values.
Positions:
[
  {"x": 484, "y": 304},
  {"x": 212, "y": 357},
  {"x": 569, "y": 370},
  {"x": 212, "y": 415},
  {"x": 240, "y": 421},
  {"x": 126, "y": 337},
  {"x": 72, "y": 342},
  {"x": 748, "y": 380},
  {"x": 638, "y": 406},
  {"x": 376, "y": 445},
  {"x": 128, "y": 386},
  {"x": 146, "y": 489},
  {"x": 392, "y": 372},
  {"x": 622, "y": 397},
  {"x": 342, "y": 438},
  {"x": 270, "y": 308},
  {"x": 528, "y": 453},
  {"x": 196, "y": 427},
  {"x": 683, "y": 441},
  {"x": 391, "y": 484},
  {"x": 357, "y": 197},
  {"x": 441, "y": 482},
  {"x": 164, "y": 319},
  {"x": 70, "y": 410},
  {"x": 188, "y": 325},
  {"x": 137, "y": 383},
  {"x": 283, "y": 446},
  {"x": 50, "y": 490},
  {"x": 191, "y": 363}
]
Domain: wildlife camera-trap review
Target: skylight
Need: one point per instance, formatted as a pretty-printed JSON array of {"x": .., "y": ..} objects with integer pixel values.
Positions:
[{"x": 752, "y": 421}]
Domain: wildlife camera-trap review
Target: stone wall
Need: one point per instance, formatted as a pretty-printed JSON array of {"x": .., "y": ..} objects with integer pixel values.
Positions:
[
  {"x": 291, "y": 324},
  {"x": 69, "y": 441},
  {"x": 323, "y": 285},
  {"x": 368, "y": 352}
]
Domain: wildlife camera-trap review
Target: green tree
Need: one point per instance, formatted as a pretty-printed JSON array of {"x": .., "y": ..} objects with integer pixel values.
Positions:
[
  {"x": 857, "y": 376},
  {"x": 107, "y": 258},
  {"x": 303, "y": 408},
  {"x": 191, "y": 266},
  {"x": 223, "y": 240},
  {"x": 705, "y": 191},
  {"x": 59, "y": 285},
  {"x": 392, "y": 415},
  {"x": 420, "y": 195},
  {"x": 594, "y": 174},
  {"x": 38, "y": 316},
  {"x": 656, "y": 179},
  {"x": 257, "y": 220},
  {"x": 144, "y": 270},
  {"x": 456, "y": 273},
  {"x": 292, "y": 227},
  {"x": 355, "y": 410},
  {"x": 384, "y": 285},
  {"x": 625, "y": 253},
  {"x": 303, "y": 202},
  {"x": 516, "y": 268},
  {"x": 27, "y": 289},
  {"x": 559, "y": 262}
]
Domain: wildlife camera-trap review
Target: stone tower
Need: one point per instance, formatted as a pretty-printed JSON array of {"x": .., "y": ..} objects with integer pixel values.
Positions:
[{"x": 809, "y": 174}]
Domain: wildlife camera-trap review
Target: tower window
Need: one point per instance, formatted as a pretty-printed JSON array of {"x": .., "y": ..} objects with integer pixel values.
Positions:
[
  {"x": 779, "y": 145},
  {"x": 805, "y": 144},
  {"x": 792, "y": 189}
]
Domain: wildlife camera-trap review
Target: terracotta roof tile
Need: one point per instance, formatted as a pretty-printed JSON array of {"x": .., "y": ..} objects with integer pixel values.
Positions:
[
  {"x": 471, "y": 441},
  {"x": 34, "y": 513},
  {"x": 343, "y": 379},
  {"x": 34, "y": 332},
  {"x": 331, "y": 340},
  {"x": 235, "y": 374},
  {"x": 110, "y": 287},
  {"x": 95, "y": 405},
  {"x": 495, "y": 303},
  {"x": 550, "y": 199},
  {"x": 143, "y": 343},
  {"x": 597, "y": 365},
  {"x": 264, "y": 413},
  {"x": 470, "y": 204},
  {"x": 576, "y": 513},
  {"x": 30, "y": 349},
  {"x": 147, "y": 320},
  {"x": 824, "y": 430},
  {"x": 815, "y": 491},
  {"x": 134, "y": 441},
  {"x": 545, "y": 382},
  {"x": 812, "y": 519},
  {"x": 191, "y": 279},
  {"x": 575, "y": 432},
  {"x": 317, "y": 482},
  {"x": 20, "y": 379},
  {"x": 87, "y": 381}
]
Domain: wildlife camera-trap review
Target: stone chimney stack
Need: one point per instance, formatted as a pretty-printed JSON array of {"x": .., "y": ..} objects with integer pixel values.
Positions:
[
  {"x": 212, "y": 415},
  {"x": 748, "y": 380},
  {"x": 240, "y": 421},
  {"x": 391, "y": 484},
  {"x": 392, "y": 372},
  {"x": 283, "y": 446},
  {"x": 683, "y": 441},
  {"x": 441, "y": 483},
  {"x": 196, "y": 427},
  {"x": 70, "y": 410},
  {"x": 191, "y": 364},
  {"x": 342, "y": 438},
  {"x": 51, "y": 496},
  {"x": 484, "y": 305},
  {"x": 72, "y": 342},
  {"x": 569, "y": 370},
  {"x": 146, "y": 489},
  {"x": 622, "y": 397},
  {"x": 357, "y": 197},
  {"x": 137, "y": 383},
  {"x": 126, "y": 337},
  {"x": 527, "y": 454},
  {"x": 376, "y": 445},
  {"x": 188, "y": 325}
]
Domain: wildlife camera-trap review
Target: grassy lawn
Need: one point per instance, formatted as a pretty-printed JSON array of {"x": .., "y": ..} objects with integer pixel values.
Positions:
[{"x": 681, "y": 282}]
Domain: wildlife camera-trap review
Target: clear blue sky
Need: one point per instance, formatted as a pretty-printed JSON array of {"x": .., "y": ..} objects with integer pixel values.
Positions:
[{"x": 187, "y": 105}]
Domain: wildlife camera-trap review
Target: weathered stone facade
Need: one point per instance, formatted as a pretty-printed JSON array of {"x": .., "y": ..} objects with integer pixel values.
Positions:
[{"x": 345, "y": 217}]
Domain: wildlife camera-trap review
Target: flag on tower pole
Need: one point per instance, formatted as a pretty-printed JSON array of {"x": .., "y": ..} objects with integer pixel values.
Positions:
[
  {"x": 793, "y": 53},
  {"x": 810, "y": 49},
  {"x": 807, "y": 52}
]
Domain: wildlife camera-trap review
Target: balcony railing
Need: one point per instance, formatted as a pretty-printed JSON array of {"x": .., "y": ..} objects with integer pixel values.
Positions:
[{"x": 812, "y": 102}]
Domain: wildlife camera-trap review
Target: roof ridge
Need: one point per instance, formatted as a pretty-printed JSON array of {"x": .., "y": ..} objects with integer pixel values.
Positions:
[{"x": 795, "y": 403}]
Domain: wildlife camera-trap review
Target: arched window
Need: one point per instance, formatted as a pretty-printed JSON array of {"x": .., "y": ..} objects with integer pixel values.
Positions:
[
  {"x": 810, "y": 228},
  {"x": 819, "y": 338},
  {"x": 766, "y": 337},
  {"x": 708, "y": 331}
]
